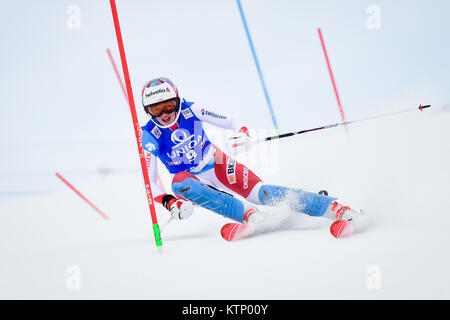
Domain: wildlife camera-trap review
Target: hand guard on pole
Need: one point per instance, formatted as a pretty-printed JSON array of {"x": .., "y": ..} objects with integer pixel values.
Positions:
[
  {"x": 239, "y": 142},
  {"x": 179, "y": 208}
]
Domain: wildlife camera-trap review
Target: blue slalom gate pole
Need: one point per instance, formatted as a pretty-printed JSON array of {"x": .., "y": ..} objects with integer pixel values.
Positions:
[{"x": 255, "y": 58}]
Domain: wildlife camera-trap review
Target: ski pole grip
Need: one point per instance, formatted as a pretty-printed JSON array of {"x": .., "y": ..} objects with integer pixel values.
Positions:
[{"x": 284, "y": 135}]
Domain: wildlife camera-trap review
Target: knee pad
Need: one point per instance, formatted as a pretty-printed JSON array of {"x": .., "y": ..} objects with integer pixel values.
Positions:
[
  {"x": 271, "y": 195},
  {"x": 181, "y": 176},
  {"x": 181, "y": 183}
]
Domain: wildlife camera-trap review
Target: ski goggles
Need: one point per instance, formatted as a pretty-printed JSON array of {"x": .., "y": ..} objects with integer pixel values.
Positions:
[{"x": 157, "y": 110}]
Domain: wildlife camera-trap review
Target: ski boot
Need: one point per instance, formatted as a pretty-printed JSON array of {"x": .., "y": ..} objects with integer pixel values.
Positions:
[{"x": 346, "y": 220}]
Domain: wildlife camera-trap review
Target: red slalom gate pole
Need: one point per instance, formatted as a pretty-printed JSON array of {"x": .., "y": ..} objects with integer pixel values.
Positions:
[
  {"x": 113, "y": 63},
  {"x": 137, "y": 128},
  {"x": 117, "y": 74},
  {"x": 93, "y": 206},
  {"x": 341, "y": 110}
]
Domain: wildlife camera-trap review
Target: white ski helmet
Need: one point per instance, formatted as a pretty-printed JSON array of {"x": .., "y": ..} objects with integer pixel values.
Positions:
[{"x": 160, "y": 90}]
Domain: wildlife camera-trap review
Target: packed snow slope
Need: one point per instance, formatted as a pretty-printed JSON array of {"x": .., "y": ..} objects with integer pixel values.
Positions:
[
  {"x": 63, "y": 110},
  {"x": 394, "y": 168}
]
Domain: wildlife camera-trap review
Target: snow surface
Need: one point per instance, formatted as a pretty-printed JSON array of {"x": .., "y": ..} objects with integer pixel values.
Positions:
[
  {"x": 399, "y": 176},
  {"x": 63, "y": 111}
]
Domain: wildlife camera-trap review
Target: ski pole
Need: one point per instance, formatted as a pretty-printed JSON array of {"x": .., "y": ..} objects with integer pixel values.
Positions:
[
  {"x": 163, "y": 226},
  {"x": 334, "y": 125}
]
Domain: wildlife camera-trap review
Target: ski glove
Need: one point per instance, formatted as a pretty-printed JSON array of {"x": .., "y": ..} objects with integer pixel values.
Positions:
[
  {"x": 179, "y": 208},
  {"x": 240, "y": 142}
]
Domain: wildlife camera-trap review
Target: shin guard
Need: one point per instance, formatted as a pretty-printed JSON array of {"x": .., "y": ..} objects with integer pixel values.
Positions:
[{"x": 310, "y": 203}]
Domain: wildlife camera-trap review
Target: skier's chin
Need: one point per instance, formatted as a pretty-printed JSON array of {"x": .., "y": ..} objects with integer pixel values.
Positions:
[{"x": 167, "y": 119}]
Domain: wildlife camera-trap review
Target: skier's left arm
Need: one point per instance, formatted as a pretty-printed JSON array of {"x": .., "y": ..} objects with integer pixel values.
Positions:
[
  {"x": 216, "y": 118},
  {"x": 240, "y": 141}
]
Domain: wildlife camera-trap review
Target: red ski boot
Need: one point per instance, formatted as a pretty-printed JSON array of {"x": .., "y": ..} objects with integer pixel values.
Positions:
[{"x": 347, "y": 219}]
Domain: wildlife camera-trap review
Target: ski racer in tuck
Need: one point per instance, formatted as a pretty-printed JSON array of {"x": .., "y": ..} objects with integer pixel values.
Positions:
[{"x": 207, "y": 177}]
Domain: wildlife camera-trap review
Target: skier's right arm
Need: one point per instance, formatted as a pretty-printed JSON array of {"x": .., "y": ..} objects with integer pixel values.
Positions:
[{"x": 178, "y": 207}]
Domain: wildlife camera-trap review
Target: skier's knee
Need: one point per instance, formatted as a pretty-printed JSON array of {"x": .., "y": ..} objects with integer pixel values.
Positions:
[
  {"x": 270, "y": 194},
  {"x": 181, "y": 176},
  {"x": 180, "y": 182}
]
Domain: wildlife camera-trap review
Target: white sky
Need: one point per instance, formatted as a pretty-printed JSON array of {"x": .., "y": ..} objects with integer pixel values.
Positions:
[{"x": 62, "y": 107}]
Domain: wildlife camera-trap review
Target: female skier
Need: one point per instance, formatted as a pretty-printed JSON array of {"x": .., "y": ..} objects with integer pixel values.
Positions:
[{"x": 207, "y": 177}]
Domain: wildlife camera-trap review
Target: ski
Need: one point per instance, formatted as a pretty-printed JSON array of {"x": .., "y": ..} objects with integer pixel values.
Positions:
[
  {"x": 346, "y": 227},
  {"x": 265, "y": 223},
  {"x": 342, "y": 228},
  {"x": 237, "y": 231}
]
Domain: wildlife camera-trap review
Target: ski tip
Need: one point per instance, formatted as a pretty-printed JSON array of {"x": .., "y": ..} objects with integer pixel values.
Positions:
[
  {"x": 229, "y": 231},
  {"x": 421, "y": 107},
  {"x": 342, "y": 229},
  {"x": 235, "y": 231}
]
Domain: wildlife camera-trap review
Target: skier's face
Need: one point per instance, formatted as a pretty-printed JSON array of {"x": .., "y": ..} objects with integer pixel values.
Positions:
[
  {"x": 165, "y": 112},
  {"x": 167, "y": 118}
]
